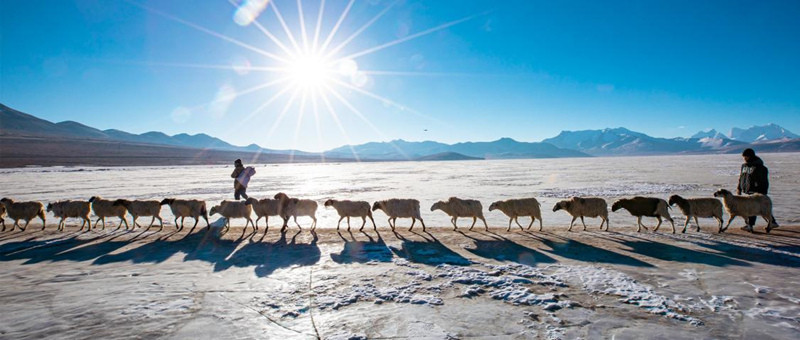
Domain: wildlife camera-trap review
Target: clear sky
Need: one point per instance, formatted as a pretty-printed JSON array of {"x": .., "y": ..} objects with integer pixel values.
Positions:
[{"x": 448, "y": 71}]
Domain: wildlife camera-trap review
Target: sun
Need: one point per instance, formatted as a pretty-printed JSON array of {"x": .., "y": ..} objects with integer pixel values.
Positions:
[{"x": 310, "y": 71}]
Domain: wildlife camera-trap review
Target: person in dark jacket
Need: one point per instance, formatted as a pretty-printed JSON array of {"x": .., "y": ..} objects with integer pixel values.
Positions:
[
  {"x": 753, "y": 178},
  {"x": 241, "y": 177}
]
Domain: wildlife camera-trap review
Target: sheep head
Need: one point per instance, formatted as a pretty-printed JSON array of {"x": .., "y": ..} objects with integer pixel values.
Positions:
[
  {"x": 562, "y": 205},
  {"x": 674, "y": 199},
  {"x": 437, "y": 205},
  {"x": 281, "y": 196},
  {"x": 328, "y": 203},
  {"x": 722, "y": 193},
  {"x": 167, "y": 201},
  {"x": 376, "y": 206},
  {"x": 122, "y": 202},
  {"x": 49, "y": 207},
  {"x": 618, "y": 204},
  {"x": 214, "y": 210},
  {"x": 94, "y": 198},
  {"x": 250, "y": 201},
  {"x": 493, "y": 206}
]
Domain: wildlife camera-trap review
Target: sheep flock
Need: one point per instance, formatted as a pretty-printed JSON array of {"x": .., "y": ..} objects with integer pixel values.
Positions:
[{"x": 286, "y": 207}]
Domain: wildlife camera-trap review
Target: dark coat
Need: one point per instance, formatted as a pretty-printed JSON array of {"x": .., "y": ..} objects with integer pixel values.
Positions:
[{"x": 753, "y": 177}]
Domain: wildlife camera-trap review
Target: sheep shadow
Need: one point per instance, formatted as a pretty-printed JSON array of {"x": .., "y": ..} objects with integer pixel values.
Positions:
[
  {"x": 756, "y": 255},
  {"x": 579, "y": 251},
  {"x": 268, "y": 257},
  {"x": 503, "y": 249},
  {"x": 430, "y": 252},
  {"x": 668, "y": 252},
  {"x": 70, "y": 248},
  {"x": 373, "y": 250}
]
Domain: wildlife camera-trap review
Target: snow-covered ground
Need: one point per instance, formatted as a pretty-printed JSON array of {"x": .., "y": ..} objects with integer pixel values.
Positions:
[{"x": 379, "y": 284}]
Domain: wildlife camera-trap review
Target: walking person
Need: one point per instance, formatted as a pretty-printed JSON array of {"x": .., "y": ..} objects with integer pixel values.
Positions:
[
  {"x": 241, "y": 176},
  {"x": 753, "y": 178}
]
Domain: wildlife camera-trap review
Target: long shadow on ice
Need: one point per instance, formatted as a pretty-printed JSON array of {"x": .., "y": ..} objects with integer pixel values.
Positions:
[
  {"x": 268, "y": 257},
  {"x": 205, "y": 246},
  {"x": 502, "y": 249},
  {"x": 70, "y": 247},
  {"x": 429, "y": 251},
  {"x": 668, "y": 252},
  {"x": 579, "y": 251},
  {"x": 756, "y": 254},
  {"x": 363, "y": 251}
]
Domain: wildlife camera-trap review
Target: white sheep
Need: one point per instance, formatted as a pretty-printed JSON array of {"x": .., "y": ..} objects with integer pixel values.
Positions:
[
  {"x": 456, "y": 207},
  {"x": 234, "y": 209},
  {"x": 584, "y": 207},
  {"x": 66, "y": 209},
  {"x": 187, "y": 208},
  {"x": 142, "y": 208},
  {"x": 103, "y": 208},
  {"x": 514, "y": 208},
  {"x": 265, "y": 208},
  {"x": 746, "y": 206},
  {"x": 645, "y": 206},
  {"x": 349, "y": 209},
  {"x": 697, "y": 207},
  {"x": 395, "y": 208},
  {"x": 22, "y": 211},
  {"x": 294, "y": 207}
]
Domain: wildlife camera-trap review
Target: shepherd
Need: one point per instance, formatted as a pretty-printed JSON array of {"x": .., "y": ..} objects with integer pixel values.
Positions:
[
  {"x": 241, "y": 176},
  {"x": 753, "y": 178}
]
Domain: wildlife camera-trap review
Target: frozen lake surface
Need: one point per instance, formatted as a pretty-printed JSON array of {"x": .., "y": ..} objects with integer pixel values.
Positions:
[{"x": 407, "y": 285}]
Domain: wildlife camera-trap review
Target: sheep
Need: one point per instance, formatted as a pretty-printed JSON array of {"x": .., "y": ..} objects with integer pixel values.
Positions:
[
  {"x": 142, "y": 208},
  {"x": 3, "y": 214},
  {"x": 187, "y": 208},
  {"x": 234, "y": 209},
  {"x": 456, "y": 207},
  {"x": 697, "y": 207},
  {"x": 264, "y": 208},
  {"x": 745, "y": 206},
  {"x": 103, "y": 208},
  {"x": 22, "y": 211},
  {"x": 352, "y": 209},
  {"x": 514, "y": 208},
  {"x": 65, "y": 209},
  {"x": 293, "y": 207},
  {"x": 645, "y": 206},
  {"x": 395, "y": 208},
  {"x": 584, "y": 207}
]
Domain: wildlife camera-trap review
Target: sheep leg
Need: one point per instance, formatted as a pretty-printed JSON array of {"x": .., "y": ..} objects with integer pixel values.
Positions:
[
  {"x": 719, "y": 219},
  {"x": 659, "y": 223},
  {"x": 767, "y": 217},
  {"x": 721, "y": 229},
  {"x": 373, "y": 223},
  {"x": 531, "y": 224},
  {"x": 295, "y": 222},
  {"x": 454, "y": 221},
  {"x": 122, "y": 218},
  {"x": 423, "y": 224},
  {"x": 348, "y": 223},
  {"x": 573, "y": 221},
  {"x": 97, "y": 221},
  {"x": 195, "y": 222},
  {"x": 26, "y": 224},
  {"x": 516, "y": 219},
  {"x": 509, "y": 224},
  {"x": 259, "y": 217},
  {"x": 413, "y": 220},
  {"x": 314, "y": 224},
  {"x": 685, "y": 225},
  {"x": 182, "y": 219},
  {"x": 639, "y": 225},
  {"x": 340, "y": 222},
  {"x": 697, "y": 223},
  {"x": 474, "y": 220},
  {"x": 363, "y": 223},
  {"x": 541, "y": 225},
  {"x": 584, "y": 223},
  {"x": 160, "y": 221},
  {"x": 672, "y": 223},
  {"x": 486, "y": 225}
]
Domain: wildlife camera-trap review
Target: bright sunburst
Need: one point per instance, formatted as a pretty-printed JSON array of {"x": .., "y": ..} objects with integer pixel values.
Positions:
[{"x": 309, "y": 69}]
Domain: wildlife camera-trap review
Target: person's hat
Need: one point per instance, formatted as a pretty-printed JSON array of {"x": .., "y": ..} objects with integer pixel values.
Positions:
[
  {"x": 238, "y": 161},
  {"x": 748, "y": 153}
]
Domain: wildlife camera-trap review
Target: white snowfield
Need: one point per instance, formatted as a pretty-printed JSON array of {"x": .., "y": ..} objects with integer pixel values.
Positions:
[{"x": 377, "y": 284}]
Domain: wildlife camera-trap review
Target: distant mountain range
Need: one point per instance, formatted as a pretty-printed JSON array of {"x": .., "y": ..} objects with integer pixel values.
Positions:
[{"x": 16, "y": 126}]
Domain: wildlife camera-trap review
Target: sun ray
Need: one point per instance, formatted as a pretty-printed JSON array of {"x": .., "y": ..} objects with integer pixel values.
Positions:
[
  {"x": 286, "y": 108},
  {"x": 315, "y": 109},
  {"x": 297, "y": 126},
  {"x": 205, "y": 66},
  {"x": 360, "y": 115},
  {"x": 410, "y": 37},
  {"x": 335, "y": 117},
  {"x": 318, "y": 27},
  {"x": 336, "y": 27},
  {"x": 302, "y": 25},
  {"x": 359, "y": 30},
  {"x": 283, "y": 24},
  {"x": 265, "y": 104},
  {"x": 380, "y": 98},
  {"x": 416, "y": 74},
  {"x": 208, "y": 31},
  {"x": 240, "y": 93}
]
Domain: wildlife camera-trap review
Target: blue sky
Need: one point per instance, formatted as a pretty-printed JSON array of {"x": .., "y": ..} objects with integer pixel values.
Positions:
[{"x": 460, "y": 70}]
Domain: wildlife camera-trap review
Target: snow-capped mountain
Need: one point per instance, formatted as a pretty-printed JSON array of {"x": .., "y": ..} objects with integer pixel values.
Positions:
[
  {"x": 713, "y": 134},
  {"x": 761, "y": 133}
]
